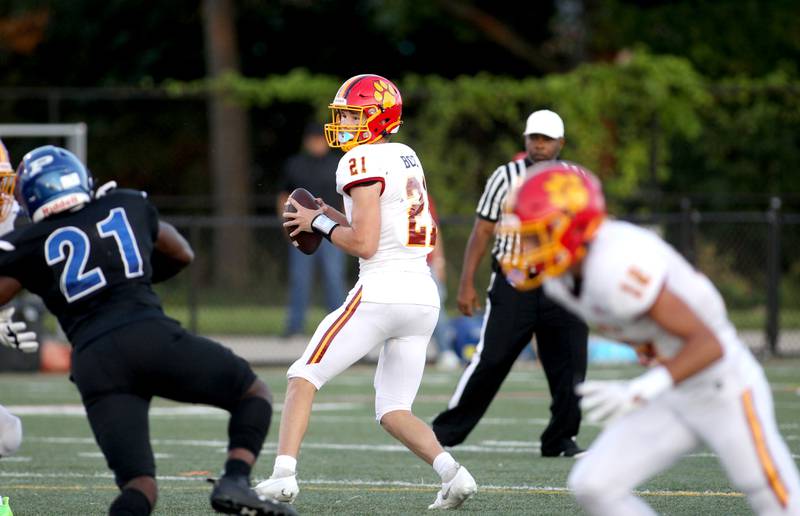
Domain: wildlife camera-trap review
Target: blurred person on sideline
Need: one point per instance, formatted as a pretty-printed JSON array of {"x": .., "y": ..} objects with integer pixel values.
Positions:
[
  {"x": 313, "y": 169},
  {"x": 446, "y": 357},
  {"x": 703, "y": 387},
  {"x": 512, "y": 318},
  {"x": 394, "y": 304},
  {"x": 92, "y": 255}
]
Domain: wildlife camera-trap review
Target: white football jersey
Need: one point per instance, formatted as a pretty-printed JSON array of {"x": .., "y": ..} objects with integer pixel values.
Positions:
[
  {"x": 398, "y": 272},
  {"x": 623, "y": 273}
]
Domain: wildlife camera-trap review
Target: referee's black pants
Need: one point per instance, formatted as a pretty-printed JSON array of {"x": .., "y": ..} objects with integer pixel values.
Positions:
[{"x": 511, "y": 319}]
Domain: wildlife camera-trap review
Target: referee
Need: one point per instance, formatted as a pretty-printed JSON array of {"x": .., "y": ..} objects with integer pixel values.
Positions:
[{"x": 512, "y": 317}]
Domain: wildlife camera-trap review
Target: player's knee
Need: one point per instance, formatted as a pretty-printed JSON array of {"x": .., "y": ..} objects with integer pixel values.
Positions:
[
  {"x": 249, "y": 423},
  {"x": 390, "y": 413},
  {"x": 259, "y": 389},
  {"x": 390, "y": 420},
  {"x": 10, "y": 434}
]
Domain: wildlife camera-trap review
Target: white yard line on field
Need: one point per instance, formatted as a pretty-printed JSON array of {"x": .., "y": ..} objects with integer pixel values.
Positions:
[
  {"x": 353, "y": 484},
  {"x": 514, "y": 447}
]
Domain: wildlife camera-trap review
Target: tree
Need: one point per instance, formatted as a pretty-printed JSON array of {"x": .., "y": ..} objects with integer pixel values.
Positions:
[{"x": 229, "y": 148}]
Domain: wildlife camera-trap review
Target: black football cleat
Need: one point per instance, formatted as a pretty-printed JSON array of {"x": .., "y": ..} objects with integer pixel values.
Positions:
[{"x": 233, "y": 495}]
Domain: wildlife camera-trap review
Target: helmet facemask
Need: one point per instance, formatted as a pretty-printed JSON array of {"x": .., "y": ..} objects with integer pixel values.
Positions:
[
  {"x": 537, "y": 251},
  {"x": 550, "y": 219},
  {"x": 8, "y": 181}
]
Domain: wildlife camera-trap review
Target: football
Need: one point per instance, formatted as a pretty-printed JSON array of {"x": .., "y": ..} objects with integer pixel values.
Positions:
[{"x": 305, "y": 241}]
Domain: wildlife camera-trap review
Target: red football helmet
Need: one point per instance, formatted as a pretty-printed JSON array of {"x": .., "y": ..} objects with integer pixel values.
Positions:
[
  {"x": 552, "y": 215},
  {"x": 7, "y": 183},
  {"x": 376, "y": 107}
]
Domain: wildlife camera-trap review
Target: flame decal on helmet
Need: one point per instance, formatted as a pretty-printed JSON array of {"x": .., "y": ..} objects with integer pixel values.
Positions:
[
  {"x": 567, "y": 192},
  {"x": 385, "y": 94}
]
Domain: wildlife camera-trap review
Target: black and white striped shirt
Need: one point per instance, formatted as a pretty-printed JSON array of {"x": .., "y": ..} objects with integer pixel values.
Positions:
[{"x": 490, "y": 207}]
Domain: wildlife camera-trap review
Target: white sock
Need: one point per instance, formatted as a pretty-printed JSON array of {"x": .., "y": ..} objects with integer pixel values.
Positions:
[
  {"x": 446, "y": 466},
  {"x": 285, "y": 466}
]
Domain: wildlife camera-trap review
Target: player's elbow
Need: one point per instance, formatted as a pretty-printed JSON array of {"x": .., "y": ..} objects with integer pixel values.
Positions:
[
  {"x": 365, "y": 244},
  {"x": 367, "y": 250}
]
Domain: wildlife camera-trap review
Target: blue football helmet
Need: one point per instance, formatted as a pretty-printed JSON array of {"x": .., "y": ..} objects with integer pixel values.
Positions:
[{"x": 52, "y": 180}]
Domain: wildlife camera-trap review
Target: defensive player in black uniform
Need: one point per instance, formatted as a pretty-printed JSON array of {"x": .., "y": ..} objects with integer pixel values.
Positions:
[{"x": 92, "y": 256}]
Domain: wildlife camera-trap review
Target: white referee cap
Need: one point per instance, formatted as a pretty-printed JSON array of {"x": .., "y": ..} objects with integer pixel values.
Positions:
[{"x": 545, "y": 122}]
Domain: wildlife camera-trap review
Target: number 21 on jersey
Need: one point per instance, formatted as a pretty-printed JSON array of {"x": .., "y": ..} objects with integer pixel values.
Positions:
[
  {"x": 73, "y": 245},
  {"x": 421, "y": 228}
]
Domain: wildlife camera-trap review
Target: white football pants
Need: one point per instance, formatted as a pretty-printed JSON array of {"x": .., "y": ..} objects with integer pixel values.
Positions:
[
  {"x": 347, "y": 334},
  {"x": 732, "y": 414}
]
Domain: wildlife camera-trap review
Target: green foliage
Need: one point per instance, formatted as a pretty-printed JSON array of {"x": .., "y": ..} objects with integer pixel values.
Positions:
[{"x": 464, "y": 128}]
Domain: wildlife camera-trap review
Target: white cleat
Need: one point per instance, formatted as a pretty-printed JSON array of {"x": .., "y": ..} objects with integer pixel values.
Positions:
[
  {"x": 455, "y": 492},
  {"x": 283, "y": 489}
]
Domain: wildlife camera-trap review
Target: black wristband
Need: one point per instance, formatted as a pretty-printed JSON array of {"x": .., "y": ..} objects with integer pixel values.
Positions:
[{"x": 324, "y": 225}]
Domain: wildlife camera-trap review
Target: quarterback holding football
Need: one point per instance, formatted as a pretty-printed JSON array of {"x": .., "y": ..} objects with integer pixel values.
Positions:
[
  {"x": 395, "y": 304},
  {"x": 704, "y": 386}
]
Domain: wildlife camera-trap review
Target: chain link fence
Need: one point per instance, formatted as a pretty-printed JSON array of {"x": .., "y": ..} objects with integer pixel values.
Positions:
[{"x": 750, "y": 256}]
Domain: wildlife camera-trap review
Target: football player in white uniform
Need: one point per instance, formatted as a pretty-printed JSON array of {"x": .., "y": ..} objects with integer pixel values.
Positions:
[
  {"x": 704, "y": 386},
  {"x": 12, "y": 334},
  {"x": 394, "y": 304}
]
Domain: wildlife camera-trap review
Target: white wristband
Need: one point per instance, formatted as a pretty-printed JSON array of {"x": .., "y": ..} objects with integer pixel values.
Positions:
[
  {"x": 652, "y": 383},
  {"x": 324, "y": 225}
]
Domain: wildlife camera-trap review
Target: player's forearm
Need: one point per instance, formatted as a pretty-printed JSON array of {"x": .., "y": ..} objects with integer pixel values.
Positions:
[
  {"x": 698, "y": 353},
  {"x": 476, "y": 247},
  {"x": 354, "y": 241},
  {"x": 336, "y": 215}
]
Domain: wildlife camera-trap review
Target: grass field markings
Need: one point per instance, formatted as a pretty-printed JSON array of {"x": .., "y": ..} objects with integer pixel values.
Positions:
[
  {"x": 489, "y": 446},
  {"x": 99, "y": 455},
  {"x": 321, "y": 484},
  {"x": 183, "y": 410},
  {"x": 527, "y": 444}
]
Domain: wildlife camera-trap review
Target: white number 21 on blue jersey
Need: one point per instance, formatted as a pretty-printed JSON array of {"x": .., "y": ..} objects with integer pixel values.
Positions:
[{"x": 73, "y": 245}]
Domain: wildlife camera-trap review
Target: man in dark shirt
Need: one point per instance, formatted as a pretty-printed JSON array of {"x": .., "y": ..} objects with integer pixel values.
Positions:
[
  {"x": 92, "y": 257},
  {"x": 313, "y": 169}
]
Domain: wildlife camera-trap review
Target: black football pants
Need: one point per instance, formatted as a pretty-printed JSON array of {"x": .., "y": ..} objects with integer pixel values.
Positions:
[{"x": 512, "y": 318}]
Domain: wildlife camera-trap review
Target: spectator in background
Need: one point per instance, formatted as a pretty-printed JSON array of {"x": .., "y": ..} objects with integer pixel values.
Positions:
[
  {"x": 446, "y": 358},
  {"x": 512, "y": 317},
  {"x": 313, "y": 169}
]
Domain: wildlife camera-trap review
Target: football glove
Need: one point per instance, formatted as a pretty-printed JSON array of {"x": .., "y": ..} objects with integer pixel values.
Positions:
[
  {"x": 605, "y": 401},
  {"x": 13, "y": 334}
]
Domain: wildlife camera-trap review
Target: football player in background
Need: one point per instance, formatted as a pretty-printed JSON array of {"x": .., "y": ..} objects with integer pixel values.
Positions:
[
  {"x": 12, "y": 334},
  {"x": 704, "y": 386},
  {"x": 92, "y": 257},
  {"x": 395, "y": 303}
]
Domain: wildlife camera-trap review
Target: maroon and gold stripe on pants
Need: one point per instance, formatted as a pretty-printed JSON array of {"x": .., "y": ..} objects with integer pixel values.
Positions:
[{"x": 334, "y": 328}]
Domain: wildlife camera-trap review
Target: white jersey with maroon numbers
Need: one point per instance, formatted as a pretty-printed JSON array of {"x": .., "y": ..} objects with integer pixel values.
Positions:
[
  {"x": 727, "y": 406},
  {"x": 398, "y": 272},
  {"x": 624, "y": 271}
]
